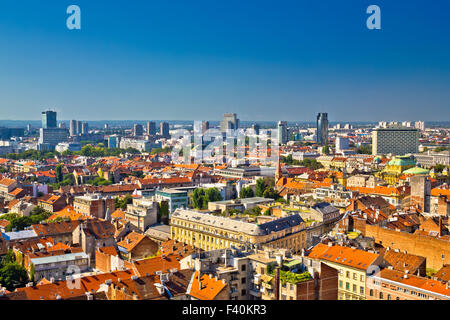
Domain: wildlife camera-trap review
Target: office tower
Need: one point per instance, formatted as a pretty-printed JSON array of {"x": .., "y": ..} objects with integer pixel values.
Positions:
[
  {"x": 397, "y": 140},
  {"x": 382, "y": 124},
  {"x": 138, "y": 130},
  {"x": 106, "y": 126},
  {"x": 406, "y": 124},
  {"x": 256, "y": 128},
  {"x": 113, "y": 141},
  {"x": 205, "y": 126},
  {"x": 229, "y": 121},
  {"x": 48, "y": 119},
  {"x": 62, "y": 125},
  {"x": 84, "y": 128},
  {"x": 282, "y": 132},
  {"x": 420, "y": 125},
  {"x": 342, "y": 143},
  {"x": 73, "y": 128},
  {"x": 151, "y": 128},
  {"x": 79, "y": 127},
  {"x": 53, "y": 136},
  {"x": 322, "y": 129},
  {"x": 164, "y": 129},
  {"x": 29, "y": 127}
]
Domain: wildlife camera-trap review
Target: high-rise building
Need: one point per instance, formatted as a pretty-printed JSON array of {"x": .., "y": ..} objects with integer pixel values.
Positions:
[
  {"x": 164, "y": 129},
  {"x": 229, "y": 121},
  {"x": 113, "y": 141},
  {"x": 73, "y": 128},
  {"x": 342, "y": 143},
  {"x": 420, "y": 125},
  {"x": 322, "y": 128},
  {"x": 396, "y": 140},
  {"x": 53, "y": 136},
  {"x": 151, "y": 128},
  {"x": 138, "y": 130},
  {"x": 282, "y": 132},
  {"x": 84, "y": 128},
  {"x": 205, "y": 126},
  {"x": 256, "y": 128},
  {"x": 79, "y": 127},
  {"x": 49, "y": 119}
]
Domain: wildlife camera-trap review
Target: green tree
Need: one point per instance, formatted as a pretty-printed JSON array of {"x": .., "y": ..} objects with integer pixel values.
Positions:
[
  {"x": 271, "y": 193},
  {"x": 59, "y": 173},
  {"x": 364, "y": 149},
  {"x": 13, "y": 275},
  {"x": 163, "y": 214},
  {"x": 246, "y": 192},
  {"x": 260, "y": 187},
  {"x": 439, "y": 168}
]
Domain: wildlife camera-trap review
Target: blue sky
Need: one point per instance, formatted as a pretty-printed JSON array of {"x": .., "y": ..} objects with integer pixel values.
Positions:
[{"x": 186, "y": 60}]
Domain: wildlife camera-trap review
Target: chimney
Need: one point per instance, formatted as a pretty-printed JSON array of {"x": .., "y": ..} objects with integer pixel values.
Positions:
[{"x": 440, "y": 226}]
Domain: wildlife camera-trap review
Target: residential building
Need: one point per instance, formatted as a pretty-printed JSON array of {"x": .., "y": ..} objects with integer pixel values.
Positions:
[
  {"x": 353, "y": 265},
  {"x": 94, "y": 205}
]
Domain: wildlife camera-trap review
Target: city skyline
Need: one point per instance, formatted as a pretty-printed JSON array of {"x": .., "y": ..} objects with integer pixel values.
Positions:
[{"x": 200, "y": 60}]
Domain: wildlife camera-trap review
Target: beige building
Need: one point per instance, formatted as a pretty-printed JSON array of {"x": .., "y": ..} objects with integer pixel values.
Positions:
[{"x": 210, "y": 232}]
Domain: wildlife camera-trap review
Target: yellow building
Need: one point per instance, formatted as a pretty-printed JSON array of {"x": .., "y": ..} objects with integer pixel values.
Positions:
[
  {"x": 210, "y": 232},
  {"x": 395, "y": 168},
  {"x": 352, "y": 265}
]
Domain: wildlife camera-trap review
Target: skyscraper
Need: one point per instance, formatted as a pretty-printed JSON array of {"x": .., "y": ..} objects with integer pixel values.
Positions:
[
  {"x": 138, "y": 130},
  {"x": 48, "y": 119},
  {"x": 322, "y": 129},
  {"x": 84, "y": 128},
  {"x": 79, "y": 127},
  {"x": 164, "y": 129},
  {"x": 282, "y": 132},
  {"x": 73, "y": 128},
  {"x": 229, "y": 121},
  {"x": 151, "y": 128},
  {"x": 256, "y": 128}
]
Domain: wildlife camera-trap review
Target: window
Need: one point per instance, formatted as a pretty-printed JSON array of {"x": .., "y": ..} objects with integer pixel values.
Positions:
[
  {"x": 381, "y": 295},
  {"x": 361, "y": 290},
  {"x": 348, "y": 274},
  {"x": 347, "y": 286},
  {"x": 340, "y": 284},
  {"x": 355, "y": 276},
  {"x": 243, "y": 292},
  {"x": 389, "y": 297},
  {"x": 243, "y": 267},
  {"x": 243, "y": 280},
  {"x": 354, "y": 288},
  {"x": 371, "y": 292},
  {"x": 362, "y": 278}
]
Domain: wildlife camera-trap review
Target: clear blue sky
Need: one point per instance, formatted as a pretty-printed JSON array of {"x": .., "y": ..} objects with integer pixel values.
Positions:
[{"x": 196, "y": 59}]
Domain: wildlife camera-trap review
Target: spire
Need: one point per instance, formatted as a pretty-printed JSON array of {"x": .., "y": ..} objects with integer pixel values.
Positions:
[{"x": 278, "y": 173}]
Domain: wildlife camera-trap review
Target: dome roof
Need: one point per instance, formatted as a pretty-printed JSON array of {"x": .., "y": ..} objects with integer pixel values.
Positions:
[
  {"x": 402, "y": 161},
  {"x": 416, "y": 170}
]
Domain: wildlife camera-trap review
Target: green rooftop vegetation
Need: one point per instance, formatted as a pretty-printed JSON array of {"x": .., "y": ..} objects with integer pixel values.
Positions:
[{"x": 288, "y": 276}]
